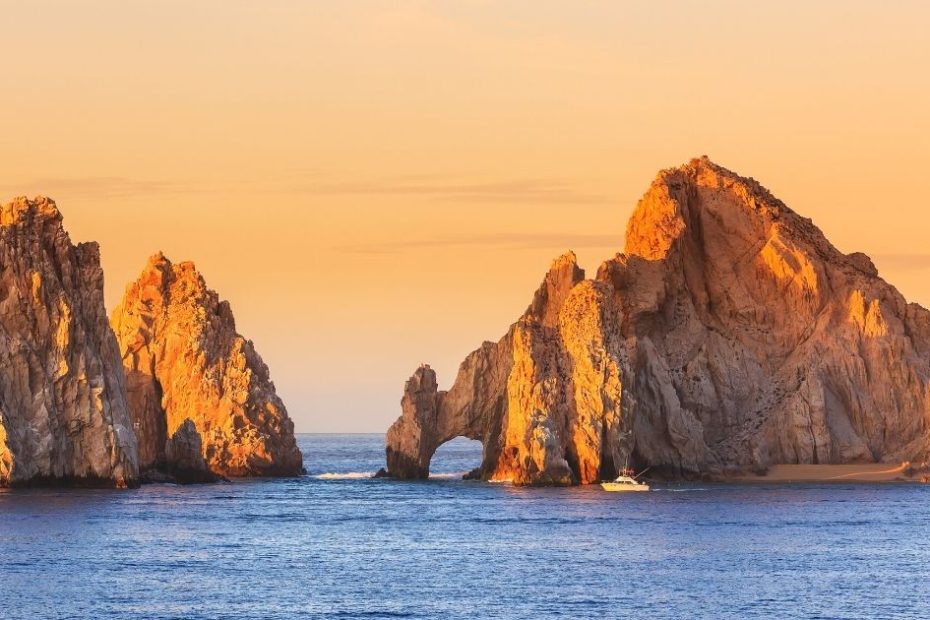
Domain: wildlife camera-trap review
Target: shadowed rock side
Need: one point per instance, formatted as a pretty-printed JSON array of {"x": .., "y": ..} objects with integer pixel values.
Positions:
[
  {"x": 730, "y": 336},
  {"x": 192, "y": 380},
  {"x": 63, "y": 412},
  {"x": 184, "y": 456}
]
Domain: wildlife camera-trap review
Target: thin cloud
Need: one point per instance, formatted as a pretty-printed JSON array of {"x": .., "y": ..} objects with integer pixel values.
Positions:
[
  {"x": 118, "y": 187},
  {"x": 903, "y": 262},
  {"x": 427, "y": 186},
  {"x": 535, "y": 191},
  {"x": 514, "y": 241}
]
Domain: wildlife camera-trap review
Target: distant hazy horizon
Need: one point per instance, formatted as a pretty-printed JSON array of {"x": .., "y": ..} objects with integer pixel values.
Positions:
[{"x": 377, "y": 185}]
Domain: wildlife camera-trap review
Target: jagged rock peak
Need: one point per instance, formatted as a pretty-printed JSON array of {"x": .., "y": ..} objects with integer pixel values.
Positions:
[
  {"x": 686, "y": 201},
  {"x": 562, "y": 277},
  {"x": 678, "y": 197},
  {"x": 184, "y": 360},
  {"x": 22, "y": 209},
  {"x": 63, "y": 412}
]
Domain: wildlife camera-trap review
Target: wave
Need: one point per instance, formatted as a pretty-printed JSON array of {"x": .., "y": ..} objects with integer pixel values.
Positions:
[
  {"x": 363, "y": 475},
  {"x": 450, "y": 476},
  {"x": 352, "y": 475},
  {"x": 678, "y": 490}
]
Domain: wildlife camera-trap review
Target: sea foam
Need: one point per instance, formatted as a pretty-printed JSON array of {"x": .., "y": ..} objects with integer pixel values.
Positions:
[{"x": 352, "y": 475}]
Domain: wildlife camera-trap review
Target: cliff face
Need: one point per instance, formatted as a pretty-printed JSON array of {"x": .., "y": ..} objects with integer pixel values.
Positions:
[
  {"x": 192, "y": 378},
  {"x": 63, "y": 411},
  {"x": 730, "y": 335}
]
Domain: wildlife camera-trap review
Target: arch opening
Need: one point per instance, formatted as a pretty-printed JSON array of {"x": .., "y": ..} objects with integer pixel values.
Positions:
[{"x": 457, "y": 458}]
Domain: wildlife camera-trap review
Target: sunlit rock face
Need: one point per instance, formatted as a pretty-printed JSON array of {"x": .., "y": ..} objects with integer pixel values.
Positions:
[
  {"x": 185, "y": 362},
  {"x": 63, "y": 412},
  {"x": 545, "y": 401},
  {"x": 730, "y": 335}
]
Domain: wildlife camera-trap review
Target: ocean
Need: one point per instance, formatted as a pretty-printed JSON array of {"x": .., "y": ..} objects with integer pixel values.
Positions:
[{"x": 338, "y": 544}]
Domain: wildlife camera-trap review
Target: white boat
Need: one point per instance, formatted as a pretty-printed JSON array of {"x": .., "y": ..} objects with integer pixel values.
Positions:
[{"x": 625, "y": 484}]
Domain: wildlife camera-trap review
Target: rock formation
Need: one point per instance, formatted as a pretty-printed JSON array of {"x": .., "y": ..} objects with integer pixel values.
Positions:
[
  {"x": 729, "y": 336},
  {"x": 183, "y": 458},
  {"x": 545, "y": 401},
  {"x": 192, "y": 379},
  {"x": 63, "y": 412}
]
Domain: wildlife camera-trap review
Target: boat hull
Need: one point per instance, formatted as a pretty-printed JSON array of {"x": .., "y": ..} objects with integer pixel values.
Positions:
[{"x": 615, "y": 487}]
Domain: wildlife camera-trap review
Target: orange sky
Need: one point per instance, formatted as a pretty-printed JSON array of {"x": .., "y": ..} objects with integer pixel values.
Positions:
[{"x": 376, "y": 184}]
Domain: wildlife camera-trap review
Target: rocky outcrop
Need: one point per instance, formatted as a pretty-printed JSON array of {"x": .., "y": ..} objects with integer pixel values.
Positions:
[
  {"x": 729, "y": 336},
  {"x": 183, "y": 459},
  {"x": 545, "y": 401},
  {"x": 63, "y": 413},
  {"x": 192, "y": 378}
]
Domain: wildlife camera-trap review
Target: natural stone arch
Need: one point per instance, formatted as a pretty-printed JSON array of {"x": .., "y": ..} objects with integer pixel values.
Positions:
[
  {"x": 431, "y": 419},
  {"x": 730, "y": 335},
  {"x": 545, "y": 401}
]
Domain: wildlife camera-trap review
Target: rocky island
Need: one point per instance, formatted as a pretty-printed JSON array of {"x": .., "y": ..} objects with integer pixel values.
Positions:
[
  {"x": 200, "y": 397},
  {"x": 729, "y": 336},
  {"x": 64, "y": 418},
  {"x": 175, "y": 394}
]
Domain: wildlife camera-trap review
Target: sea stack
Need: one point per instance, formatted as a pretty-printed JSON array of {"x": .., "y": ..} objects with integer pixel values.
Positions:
[
  {"x": 193, "y": 380},
  {"x": 64, "y": 418},
  {"x": 729, "y": 336}
]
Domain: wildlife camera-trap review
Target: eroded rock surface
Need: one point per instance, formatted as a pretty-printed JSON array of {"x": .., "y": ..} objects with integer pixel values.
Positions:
[
  {"x": 729, "y": 336},
  {"x": 184, "y": 460},
  {"x": 545, "y": 401},
  {"x": 190, "y": 373},
  {"x": 63, "y": 412}
]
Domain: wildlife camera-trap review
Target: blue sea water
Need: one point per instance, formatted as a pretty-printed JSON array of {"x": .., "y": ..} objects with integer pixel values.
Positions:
[{"x": 337, "y": 544}]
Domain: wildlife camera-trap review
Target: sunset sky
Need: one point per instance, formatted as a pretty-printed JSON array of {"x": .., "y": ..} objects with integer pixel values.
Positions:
[{"x": 377, "y": 184}]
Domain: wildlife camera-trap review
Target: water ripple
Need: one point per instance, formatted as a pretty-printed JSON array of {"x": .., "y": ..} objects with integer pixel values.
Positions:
[{"x": 339, "y": 544}]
